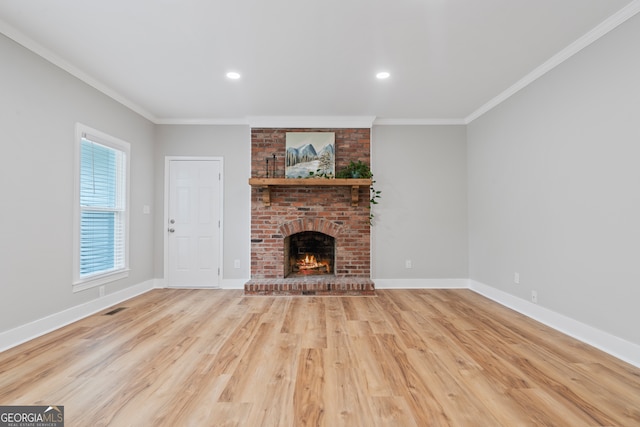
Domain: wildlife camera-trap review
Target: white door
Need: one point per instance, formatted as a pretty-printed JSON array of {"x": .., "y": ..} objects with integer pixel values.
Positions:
[{"x": 194, "y": 223}]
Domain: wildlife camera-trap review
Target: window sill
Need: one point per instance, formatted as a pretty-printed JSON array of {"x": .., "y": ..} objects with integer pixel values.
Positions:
[{"x": 92, "y": 282}]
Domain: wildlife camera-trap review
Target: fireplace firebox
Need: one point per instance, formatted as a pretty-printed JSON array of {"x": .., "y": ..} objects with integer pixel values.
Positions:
[{"x": 309, "y": 253}]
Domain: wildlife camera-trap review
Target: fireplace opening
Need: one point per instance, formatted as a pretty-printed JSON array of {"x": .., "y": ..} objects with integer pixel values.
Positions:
[{"x": 309, "y": 253}]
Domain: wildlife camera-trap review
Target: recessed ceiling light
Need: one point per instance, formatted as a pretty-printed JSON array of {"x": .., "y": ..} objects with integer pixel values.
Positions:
[
  {"x": 383, "y": 75},
  {"x": 233, "y": 75}
]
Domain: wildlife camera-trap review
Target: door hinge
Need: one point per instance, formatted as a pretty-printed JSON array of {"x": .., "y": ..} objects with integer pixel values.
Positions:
[
  {"x": 219, "y": 176},
  {"x": 218, "y": 271},
  {"x": 218, "y": 223}
]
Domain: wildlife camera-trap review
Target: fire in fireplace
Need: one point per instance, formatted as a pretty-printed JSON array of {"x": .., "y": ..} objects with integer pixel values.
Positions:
[
  {"x": 309, "y": 253},
  {"x": 310, "y": 263}
]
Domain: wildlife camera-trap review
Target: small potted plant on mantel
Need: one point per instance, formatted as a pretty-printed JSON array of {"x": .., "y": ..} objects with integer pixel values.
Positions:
[{"x": 356, "y": 170}]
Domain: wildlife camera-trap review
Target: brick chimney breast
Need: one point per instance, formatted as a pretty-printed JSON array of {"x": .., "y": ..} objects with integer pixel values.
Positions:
[{"x": 324, "y": 209}]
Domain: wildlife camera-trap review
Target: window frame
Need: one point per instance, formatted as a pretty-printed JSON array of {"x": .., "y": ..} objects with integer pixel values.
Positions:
[{"x": 79, "y": 282}]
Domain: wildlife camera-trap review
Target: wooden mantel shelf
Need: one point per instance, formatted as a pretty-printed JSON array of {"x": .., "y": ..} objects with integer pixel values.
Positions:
[
  {"x": 309, "y": 182},
  {"x": 267, "y": 183}
]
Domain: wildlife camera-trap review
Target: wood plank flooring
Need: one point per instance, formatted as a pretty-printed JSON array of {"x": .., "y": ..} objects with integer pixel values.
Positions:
[{"x": 402, "y": 358}]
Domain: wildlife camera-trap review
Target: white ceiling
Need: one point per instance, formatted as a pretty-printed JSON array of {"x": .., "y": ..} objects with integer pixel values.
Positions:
[{"x": 449, "y": 59}]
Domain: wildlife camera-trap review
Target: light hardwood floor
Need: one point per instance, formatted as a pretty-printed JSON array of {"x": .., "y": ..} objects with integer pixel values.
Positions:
[{"x": 402, "y": 358}]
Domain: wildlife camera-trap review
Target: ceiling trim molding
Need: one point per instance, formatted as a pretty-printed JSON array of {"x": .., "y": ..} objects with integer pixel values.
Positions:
[
  {"x": 599, "y": 31},
  {"x": 210, "y": 122},
  {"x": 311, "y": 121},
  {"x": 48, "y": 55},
  {"x": 418, "y": 122}
]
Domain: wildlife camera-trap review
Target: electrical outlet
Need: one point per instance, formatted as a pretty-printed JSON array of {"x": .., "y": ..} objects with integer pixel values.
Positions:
[
  {"x": 534, "y": 297},
  {"x": 516, "y": 278},
  {"x": 408, "y": 263},
  {"x": 236, "y": 263}
]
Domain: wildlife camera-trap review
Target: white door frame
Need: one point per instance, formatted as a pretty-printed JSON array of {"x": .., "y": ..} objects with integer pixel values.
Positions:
[{"x": 165, "y": 220}]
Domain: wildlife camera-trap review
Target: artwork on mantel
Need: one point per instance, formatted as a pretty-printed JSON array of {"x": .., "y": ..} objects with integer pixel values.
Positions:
[{"x": 310, "y": 154}]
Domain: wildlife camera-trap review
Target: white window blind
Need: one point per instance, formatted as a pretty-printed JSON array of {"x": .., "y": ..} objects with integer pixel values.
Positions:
[
  {"x": 102, "y": 205},
  {"x": 101, "y": 246}
]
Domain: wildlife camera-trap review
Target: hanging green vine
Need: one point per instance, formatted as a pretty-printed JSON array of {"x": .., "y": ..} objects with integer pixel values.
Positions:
[{"x": 359, "y": 169}]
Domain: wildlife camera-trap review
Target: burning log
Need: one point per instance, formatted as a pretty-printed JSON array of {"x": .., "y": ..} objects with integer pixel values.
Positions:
[{"x": 309, "y": 263}]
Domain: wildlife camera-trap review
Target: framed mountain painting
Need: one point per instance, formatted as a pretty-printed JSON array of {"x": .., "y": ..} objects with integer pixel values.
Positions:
[{"x": 310, "y": 154}]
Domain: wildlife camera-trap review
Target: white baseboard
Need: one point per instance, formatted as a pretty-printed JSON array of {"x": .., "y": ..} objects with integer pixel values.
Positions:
[
  {"x": 617, "y": 347},
  {"x": 29, "y": 331},
  {"x": 383, "y": 283},
  {"x": 233, "y": 283},
  {"x": 224, "y": 284},
  {"x": 421, "y": 283}
]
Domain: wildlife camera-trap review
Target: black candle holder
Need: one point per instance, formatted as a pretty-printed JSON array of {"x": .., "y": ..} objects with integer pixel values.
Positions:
[{"x": 274, "y": 165}]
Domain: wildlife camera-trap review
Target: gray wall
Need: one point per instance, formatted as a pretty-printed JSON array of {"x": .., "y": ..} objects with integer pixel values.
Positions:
[
  {"x": 233, "y": 144},
  {"x": 422, "y": 216},
  {"x": 554, "y": 188},
  {"x": 39, "y": 107}
]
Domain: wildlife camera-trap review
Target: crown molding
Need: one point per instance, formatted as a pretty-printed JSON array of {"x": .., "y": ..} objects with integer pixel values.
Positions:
[
  {"x": 311, "y": 121},
  {"x": 234, "y": 121},
  {"x": 600, "y": 30},
  {"x": 48, "y": 55},
  {"x": 418, "y": 122}
]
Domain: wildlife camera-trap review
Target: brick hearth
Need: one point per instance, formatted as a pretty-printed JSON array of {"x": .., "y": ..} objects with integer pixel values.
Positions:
[
  {"x": 318, "y": 285},
  {"x": 327, "y": 210}
]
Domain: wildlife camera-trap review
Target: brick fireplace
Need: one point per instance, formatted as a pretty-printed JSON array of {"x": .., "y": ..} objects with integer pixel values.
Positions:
[{"x": 297, "y": 212}]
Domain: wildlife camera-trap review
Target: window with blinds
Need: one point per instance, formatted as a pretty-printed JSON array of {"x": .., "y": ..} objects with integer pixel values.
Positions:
[{"x": 102, "y": 205}]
